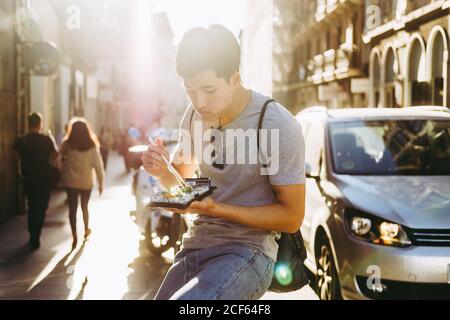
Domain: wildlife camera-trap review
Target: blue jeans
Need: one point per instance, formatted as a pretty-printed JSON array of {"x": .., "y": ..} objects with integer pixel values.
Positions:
[{"x": 228, "y": 272}]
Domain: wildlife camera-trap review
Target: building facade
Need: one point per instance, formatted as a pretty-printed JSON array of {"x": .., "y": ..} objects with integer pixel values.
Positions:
[
  {"x": 9, "y": 120},
  {"x": 70, "y": 91},
  {"x": 332, "y": 58},
  {"x": 318, "y": 56},
  {"x": 409, "y": 52}
]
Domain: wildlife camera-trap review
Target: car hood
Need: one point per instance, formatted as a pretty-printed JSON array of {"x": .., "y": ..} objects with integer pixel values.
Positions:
[{"x": 421, "y": 202}]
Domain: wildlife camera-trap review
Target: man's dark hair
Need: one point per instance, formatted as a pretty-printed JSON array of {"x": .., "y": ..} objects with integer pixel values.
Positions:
[
  {"x": 34, "y": 120},
  {"x": 214, "y": 48}
]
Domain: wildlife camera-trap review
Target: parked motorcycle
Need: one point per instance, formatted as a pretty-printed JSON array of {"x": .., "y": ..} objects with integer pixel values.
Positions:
[{"x": 162, "y": 228}]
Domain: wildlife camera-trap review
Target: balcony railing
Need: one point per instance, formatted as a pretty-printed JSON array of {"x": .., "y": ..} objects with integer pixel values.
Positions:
[
  {"x": 344, "y": 60},
  {"x": 332, "y": 64},
  {"x": 329, "y": 64},
  {"x": 323, "y": 12},
  {"x": 328, "y": 7},
  {"x": 318, "y": 64}
]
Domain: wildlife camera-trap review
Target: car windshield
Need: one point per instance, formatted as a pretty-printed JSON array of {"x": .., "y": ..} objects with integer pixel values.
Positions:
[{"x": 391, "y": 147}]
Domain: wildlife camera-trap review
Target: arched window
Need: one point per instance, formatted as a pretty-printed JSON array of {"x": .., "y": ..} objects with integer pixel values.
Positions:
[
  {"x": 389, "y": 78},
  {"x": 418, "y": 88},
  {"x": 375, "y": 79},
  {"x": 437, "y": 65}
]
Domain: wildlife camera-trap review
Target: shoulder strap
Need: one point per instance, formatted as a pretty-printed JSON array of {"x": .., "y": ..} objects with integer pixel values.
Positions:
[
  {"x": 260, "y": 122},
  {"x": 192, "y": 116},
  {"x": 190, "y": 126}
]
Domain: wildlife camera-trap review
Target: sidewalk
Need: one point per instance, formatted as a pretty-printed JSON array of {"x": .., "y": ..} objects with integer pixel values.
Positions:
[
  {"x": 110, "y": 265},
  {"x": 15, "y": 257},
  {"x": 113, "y": 264}
]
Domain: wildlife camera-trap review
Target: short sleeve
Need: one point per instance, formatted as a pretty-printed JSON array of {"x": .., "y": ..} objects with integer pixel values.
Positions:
[{"x": 285, "y": 149}]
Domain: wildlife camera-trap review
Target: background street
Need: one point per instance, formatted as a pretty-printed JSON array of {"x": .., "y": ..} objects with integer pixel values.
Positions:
[
  {"x": 368, "y": 82},
  {"x": 112, "y": 264}
]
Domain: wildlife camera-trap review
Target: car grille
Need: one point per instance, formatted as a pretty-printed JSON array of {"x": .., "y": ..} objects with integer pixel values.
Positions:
[
  {"x": 430, "y": 237},
  {"x": 405, "y": 290}
]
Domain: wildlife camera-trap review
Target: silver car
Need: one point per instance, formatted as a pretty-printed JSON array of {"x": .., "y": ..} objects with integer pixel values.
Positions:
[{"x": 377, "y": 222}]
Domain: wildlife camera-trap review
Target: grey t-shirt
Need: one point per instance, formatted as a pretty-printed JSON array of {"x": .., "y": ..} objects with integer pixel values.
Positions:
[{"x": 242, "y": 181}]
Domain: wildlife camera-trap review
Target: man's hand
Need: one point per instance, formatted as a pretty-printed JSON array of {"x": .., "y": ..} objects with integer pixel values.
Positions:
[
  {"x": 152, "y": 159},
  {"x": 206, "y": 206}
]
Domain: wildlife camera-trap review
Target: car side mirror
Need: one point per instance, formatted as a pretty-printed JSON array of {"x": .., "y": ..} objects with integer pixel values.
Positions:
[{"x": 308, "y": 170}]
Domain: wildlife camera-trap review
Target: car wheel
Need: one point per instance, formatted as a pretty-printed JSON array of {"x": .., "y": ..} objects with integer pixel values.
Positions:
[{"x": 327, "y": 281}]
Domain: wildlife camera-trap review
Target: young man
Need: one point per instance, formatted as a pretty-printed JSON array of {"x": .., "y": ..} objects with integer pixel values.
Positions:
[
  {"x": 230, "y": 250},
  {"x": 36, "y": 151}
]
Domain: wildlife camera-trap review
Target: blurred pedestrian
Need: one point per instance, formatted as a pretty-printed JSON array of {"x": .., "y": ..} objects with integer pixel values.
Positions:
[
  {"x": 37, "y": 151},
  {"x": 128, "y": 139},
  {"x": 106, "y": 144},
  {"x": 80, "y": 155}
]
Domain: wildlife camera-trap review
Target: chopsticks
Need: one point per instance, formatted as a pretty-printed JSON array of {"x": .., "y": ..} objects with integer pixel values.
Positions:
[{"x": 169, "y": 166}]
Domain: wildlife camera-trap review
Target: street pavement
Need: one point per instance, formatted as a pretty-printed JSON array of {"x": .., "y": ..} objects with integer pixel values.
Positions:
[{"x": 112, "y": 264}]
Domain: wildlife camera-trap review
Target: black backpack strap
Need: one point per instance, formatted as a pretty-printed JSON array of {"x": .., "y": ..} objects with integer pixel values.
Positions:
[
  {"x": 260, "y": 122},
  {"x": 190, "y": 127}
]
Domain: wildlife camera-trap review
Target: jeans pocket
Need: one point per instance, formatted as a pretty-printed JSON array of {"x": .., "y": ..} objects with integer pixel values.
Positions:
[{"x": 266, "y": 278}]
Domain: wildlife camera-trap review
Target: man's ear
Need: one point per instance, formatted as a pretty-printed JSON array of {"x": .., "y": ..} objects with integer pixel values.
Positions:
[{"x": 235, "y": 80}]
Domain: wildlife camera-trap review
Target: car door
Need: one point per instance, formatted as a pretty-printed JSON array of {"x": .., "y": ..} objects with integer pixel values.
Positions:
[{"x": 314, "y": 204}]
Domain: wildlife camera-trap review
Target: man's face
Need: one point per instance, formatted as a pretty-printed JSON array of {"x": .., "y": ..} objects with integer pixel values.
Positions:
[{"x": 210, "y": 94}]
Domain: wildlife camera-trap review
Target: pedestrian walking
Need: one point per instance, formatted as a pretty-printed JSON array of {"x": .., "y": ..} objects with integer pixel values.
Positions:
[
  {"x": 124, "y": 144},
  {"x": 37, "y": 151},
  {"x": 80, "y": 153},
  {"x": 106, "y": 144}
]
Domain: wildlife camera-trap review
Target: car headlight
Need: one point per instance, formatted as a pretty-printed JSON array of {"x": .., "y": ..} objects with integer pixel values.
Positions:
[
  {"x": 393, "y": 234},
  {"x": 376, "y": 230},
  {"x": 361, "y": 226}
]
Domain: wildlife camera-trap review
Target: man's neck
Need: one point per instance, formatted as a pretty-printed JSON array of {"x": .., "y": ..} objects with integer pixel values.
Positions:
[
  {"x": 238, "y": 105},
  {"x": 35, "y": 130}
]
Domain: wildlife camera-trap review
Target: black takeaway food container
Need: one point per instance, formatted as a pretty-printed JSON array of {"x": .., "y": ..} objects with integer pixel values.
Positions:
[{"x": 196, "y": 189}]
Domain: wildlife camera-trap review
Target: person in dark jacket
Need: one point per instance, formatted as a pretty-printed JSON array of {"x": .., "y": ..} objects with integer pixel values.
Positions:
[{"x": 36, "y": 152}]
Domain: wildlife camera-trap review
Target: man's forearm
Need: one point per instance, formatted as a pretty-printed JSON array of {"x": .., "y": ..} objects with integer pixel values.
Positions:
[
  {"x": 273, "y": 217},
  {"x": 167, "y": 180}
]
